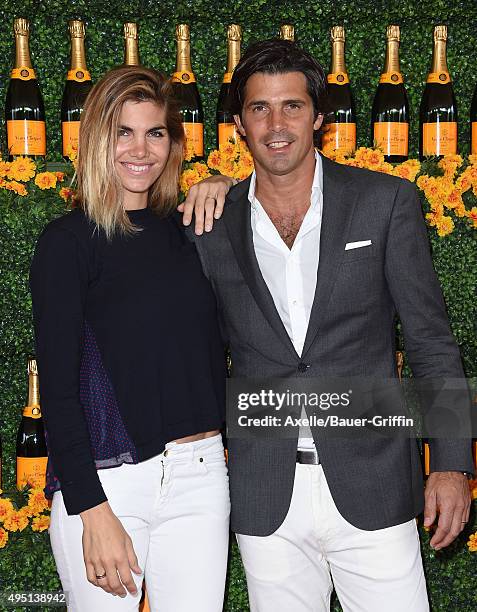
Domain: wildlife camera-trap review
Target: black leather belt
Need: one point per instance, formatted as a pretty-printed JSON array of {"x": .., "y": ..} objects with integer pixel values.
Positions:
[{"x": 308, "y": 457}]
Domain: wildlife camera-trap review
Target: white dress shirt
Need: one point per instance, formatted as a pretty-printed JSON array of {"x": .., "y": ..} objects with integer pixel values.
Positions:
[{"x": 290, "y": 274}]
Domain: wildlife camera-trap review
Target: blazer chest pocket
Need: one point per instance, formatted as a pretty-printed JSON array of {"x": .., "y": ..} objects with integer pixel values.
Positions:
[{"x": 358, "y": 252}]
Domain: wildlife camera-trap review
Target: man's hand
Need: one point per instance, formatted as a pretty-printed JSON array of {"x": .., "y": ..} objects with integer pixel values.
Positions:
[
  {"x": 108, "y": 551},
  {"x": 206, "y": 200},
  {"x": 448, "y": 494}
]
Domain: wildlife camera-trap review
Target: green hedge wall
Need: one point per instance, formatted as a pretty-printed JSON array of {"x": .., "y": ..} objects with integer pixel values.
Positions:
[{"x": 28, "y": 563}]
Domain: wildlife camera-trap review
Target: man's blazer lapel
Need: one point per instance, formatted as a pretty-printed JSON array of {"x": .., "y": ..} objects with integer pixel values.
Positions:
[
  {"x": 239, "y": 228},
  {"x": 339, "y": 199}
]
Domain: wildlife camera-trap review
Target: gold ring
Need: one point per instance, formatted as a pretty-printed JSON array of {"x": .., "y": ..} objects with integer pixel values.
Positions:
[
  {"x": 101, "y": 576},
  {"x": 210, "y": 198}
]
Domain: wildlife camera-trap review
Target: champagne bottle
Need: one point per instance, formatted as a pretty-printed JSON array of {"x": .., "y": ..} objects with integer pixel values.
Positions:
[
  {"x": 131, "y": 45},
  {"x": 390, "y": 114},
  {"x": 78, "y": 84},
  {"x": 339, "y": 133},
  {"x": 287, "y": 32},
  {"x": 226, "y": 127},
  {"x": 438, "y": 114},
  {"x": 31, "y": 445},
  {"x": 187, "y": 94},
  {"x": 473, "y": 124},
  {"x": 24, "y": 109}
]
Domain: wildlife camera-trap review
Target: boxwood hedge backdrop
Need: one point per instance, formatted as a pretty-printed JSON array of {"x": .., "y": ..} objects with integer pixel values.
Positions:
[{"x": 27, "y": 563}]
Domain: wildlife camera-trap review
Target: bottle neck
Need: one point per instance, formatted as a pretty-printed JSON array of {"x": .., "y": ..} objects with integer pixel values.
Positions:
[
  {"x": 33, "y": 405},
  {"x": 131, "y": 52},
  {"x": 439, "y": 59},
  {"x": 391, "y": 63},
  {"x": 183, "y": 63},
  {"x": 78, "y": 57},
  {"x": 233, "y": 55},
  {"x": 22, "y": 53},
  {"x": 338, "y": 57}
]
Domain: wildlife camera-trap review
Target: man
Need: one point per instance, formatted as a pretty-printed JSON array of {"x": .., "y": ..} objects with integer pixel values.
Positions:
[{"x": 310, "y": 264}]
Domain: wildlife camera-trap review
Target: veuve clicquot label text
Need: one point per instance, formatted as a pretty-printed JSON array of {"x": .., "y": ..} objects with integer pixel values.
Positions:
[
  {"x": 339, "y": 130},
  {"x": 439, "y": 138},
  {"x": 392, "y": 137},
  {"x": 31, "y": 470},
  {"x": 26, "y": 137}
]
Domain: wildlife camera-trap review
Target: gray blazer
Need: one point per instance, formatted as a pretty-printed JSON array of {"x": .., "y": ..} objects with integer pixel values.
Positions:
[{"x": 375, "y": 482}]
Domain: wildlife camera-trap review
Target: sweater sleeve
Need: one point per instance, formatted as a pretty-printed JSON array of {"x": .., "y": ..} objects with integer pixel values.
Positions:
[{"x": 59, "y": 284}]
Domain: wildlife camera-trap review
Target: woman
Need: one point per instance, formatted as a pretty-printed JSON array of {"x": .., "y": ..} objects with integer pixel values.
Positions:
[{"x": 131, "y": 368}]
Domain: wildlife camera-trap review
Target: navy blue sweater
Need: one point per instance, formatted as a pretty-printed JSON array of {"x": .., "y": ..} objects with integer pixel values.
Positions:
[{"x": 128, "y": 348}]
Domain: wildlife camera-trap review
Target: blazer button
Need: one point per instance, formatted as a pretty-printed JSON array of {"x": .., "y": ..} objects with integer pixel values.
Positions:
[{"x": 303, "y": 367}]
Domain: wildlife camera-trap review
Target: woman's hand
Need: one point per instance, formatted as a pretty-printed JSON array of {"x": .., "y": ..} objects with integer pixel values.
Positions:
[
  {"x": 206, "y": 200},
  {"x": 108, "y": 549}
]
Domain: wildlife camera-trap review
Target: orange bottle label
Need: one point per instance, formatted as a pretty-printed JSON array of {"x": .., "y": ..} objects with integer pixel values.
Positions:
[
  {"x": 70, "y": 132},
  {"x": 31, "y": 470},
  {"x": 26, "y": 137},
  {"x": 340, "y": 137},
  {"x": 183, "y": 77},
  {"x": 24, "y": 73},
  {"x": 392, "y": 137},
  {"x": 227, "y": 131},
  {"x": 227, "y": 77},
  {"x": 338, "y": 78},
  {"x": 78, "y": 75},
  {"x": 391, "y": 77},
  {"x": 195, "y": 134},
  {"x": 474, "y": 138},
  {"x": 438, "y": 77},
  {"x": 439, "y": 138}
]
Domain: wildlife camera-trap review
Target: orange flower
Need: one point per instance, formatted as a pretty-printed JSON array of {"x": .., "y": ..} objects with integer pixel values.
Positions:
[
  {"x": 472, "y": 214},
  {"x": 3, "y": 538},
  {"x": 188, "y": 178},
  {"x": 463, "y": 183},
  {"x": 22, "y": 169},
  {"x": 433, "y": 218},
  {"x": 5, "y": 169},
  {"x": 6, "y": 507},
  {"x": 72, "y": 152},
  {"x": 66, "y": 193},
  {"x": 40, "y": 523},
  {"x": 473, "y": 159},
  {"x": 60, "y": 176},
  {"x": 473, "y": 482},
  {"x": 228, "y": 149},
  {"x": 16, "y": 187},
  {"x": 201, "y": 169},
  {"x": 214, "y": 160},
  {"x": 37, "y": 500},
  {"x": 472, "y": 542},
  {"x": 15, "y": 521},
  {"x": 375, "y": 159},
  {"x": 454, "y": 199},
  {"x": 445, "y": 226},
  {"x": 46, "y": 180},
  {"x": 227, "y": 167},
  {"x": 189, "y": 151}
]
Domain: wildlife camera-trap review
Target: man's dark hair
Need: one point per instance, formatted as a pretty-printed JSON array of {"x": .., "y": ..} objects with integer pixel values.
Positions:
[{"x": 276, "y": 56}]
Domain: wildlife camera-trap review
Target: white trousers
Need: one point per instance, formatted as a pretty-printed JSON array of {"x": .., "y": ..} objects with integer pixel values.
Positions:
[
  {"x": 175, "y": 507},
  {"x": 293, "y": 569}
]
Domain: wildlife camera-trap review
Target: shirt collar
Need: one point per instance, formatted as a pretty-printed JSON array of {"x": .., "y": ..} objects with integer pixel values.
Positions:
[{"x": 316, "y": 189}]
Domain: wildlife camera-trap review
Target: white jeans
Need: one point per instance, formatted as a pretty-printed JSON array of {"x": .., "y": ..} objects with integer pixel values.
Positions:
[
  {"x": 175, "y": 507},
  {"x": 372, "y": 571}
]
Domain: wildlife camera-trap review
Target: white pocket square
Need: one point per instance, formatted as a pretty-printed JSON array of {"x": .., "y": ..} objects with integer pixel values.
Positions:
[{"x": 357, "y": 245}]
